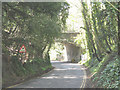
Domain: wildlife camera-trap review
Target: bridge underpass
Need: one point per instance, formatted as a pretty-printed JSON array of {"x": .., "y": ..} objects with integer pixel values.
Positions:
[
  {"x": 73, "y": 52},
  {"x": 64, "y": 75}
]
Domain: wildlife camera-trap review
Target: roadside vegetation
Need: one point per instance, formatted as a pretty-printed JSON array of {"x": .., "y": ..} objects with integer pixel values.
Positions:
[
  {"x": 34, "y": 25},
  {"x": 37, "y": 25},
  {"x": 101, "y": 22},
  {"x": 100, "y": 39},
  {"x": 105, "y": 74}
]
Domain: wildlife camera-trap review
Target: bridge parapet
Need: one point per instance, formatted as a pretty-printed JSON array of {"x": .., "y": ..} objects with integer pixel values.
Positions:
[{"x": 67, "y": 37}]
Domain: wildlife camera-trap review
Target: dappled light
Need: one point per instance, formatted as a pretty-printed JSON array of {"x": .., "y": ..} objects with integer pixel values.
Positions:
[
  {"x": 62, "y": 76},
  {"x": 61, "y": 44}
]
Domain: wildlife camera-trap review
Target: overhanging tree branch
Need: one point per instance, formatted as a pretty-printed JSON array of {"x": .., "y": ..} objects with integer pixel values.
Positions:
[{"x": 113, "y": 6}]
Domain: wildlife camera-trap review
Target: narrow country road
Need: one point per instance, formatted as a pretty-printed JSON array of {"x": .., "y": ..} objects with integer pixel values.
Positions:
[{"x": 65, "y": 75}]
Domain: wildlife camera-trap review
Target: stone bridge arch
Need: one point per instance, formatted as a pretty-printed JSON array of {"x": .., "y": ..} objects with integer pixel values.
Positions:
[{"x": 73, "y": 52}]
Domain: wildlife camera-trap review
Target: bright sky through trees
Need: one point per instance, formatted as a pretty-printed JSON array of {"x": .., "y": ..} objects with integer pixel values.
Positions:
[{"x": 74, "y": 21}]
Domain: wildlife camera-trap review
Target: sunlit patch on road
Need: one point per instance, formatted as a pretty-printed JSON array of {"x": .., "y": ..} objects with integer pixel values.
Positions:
[{"x": 65, "y": 75}]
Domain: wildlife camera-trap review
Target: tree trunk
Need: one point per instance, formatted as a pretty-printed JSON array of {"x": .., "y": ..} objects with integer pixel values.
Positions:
[
  {"x": 97, "y": 41},
  {"x": 90, "y": 36},
  {"x": 118, "y": 28}
]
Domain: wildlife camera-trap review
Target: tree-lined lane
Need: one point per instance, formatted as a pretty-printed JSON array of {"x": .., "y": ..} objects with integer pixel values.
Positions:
[{"x": 65, "y": 75}]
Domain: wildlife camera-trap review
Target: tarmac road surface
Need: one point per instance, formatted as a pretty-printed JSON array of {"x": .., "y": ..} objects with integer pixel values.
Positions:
[{"x": 64, "y": 75}]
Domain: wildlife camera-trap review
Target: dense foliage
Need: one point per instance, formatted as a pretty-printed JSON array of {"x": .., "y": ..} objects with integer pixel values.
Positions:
[
  {"x": 105, "y": 73},
  {"x": 101, "y": 28},
  {"x": 101, "y": 22},
  {"x": 36, "y": 25},
  {"x": 110, "y": 75},
  {"x": 28, "y": 24}
]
